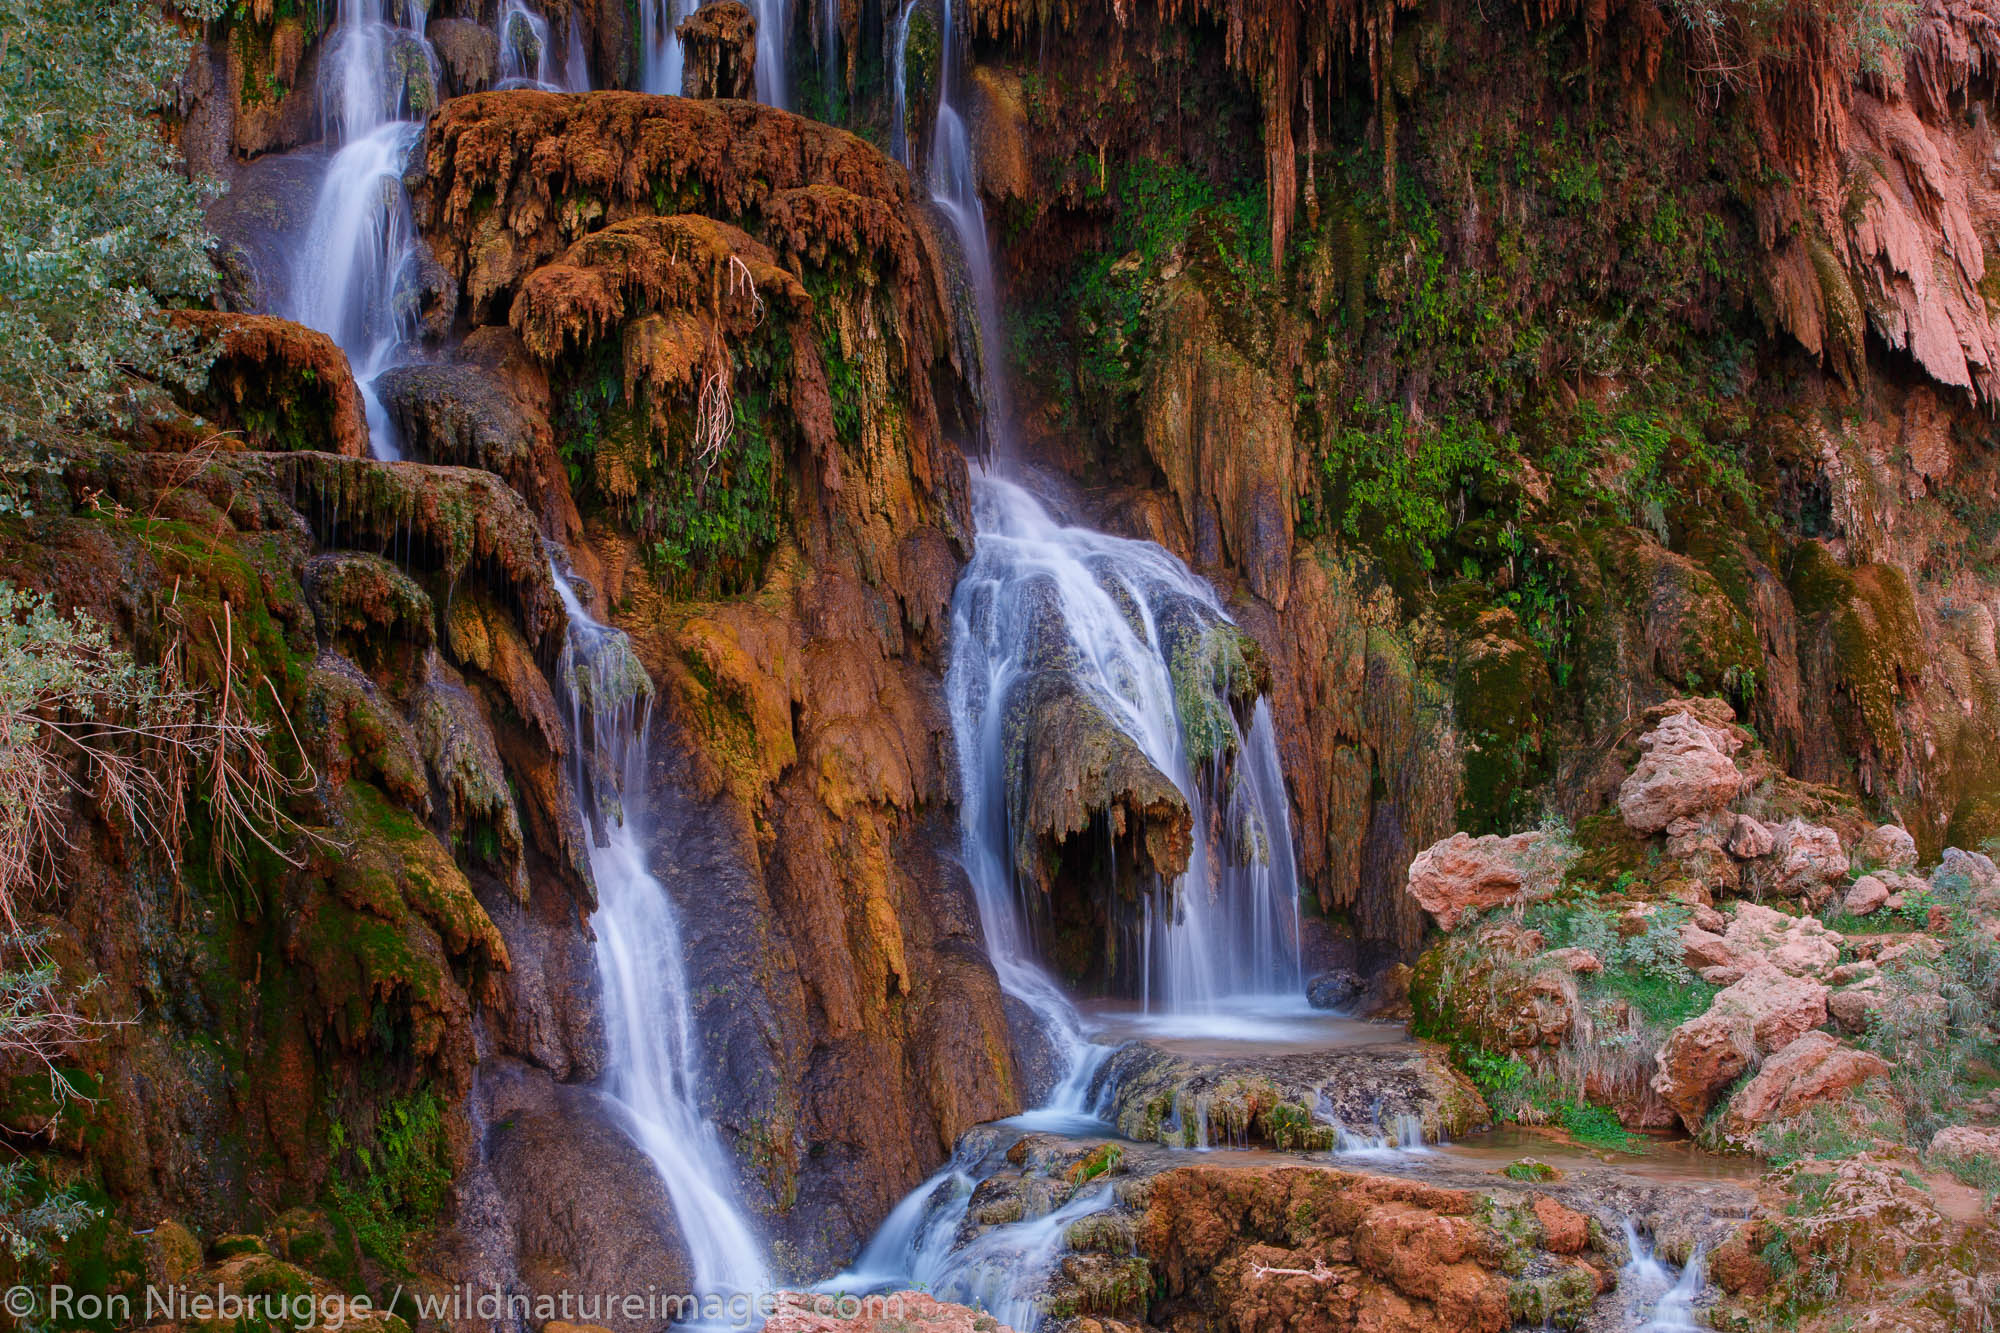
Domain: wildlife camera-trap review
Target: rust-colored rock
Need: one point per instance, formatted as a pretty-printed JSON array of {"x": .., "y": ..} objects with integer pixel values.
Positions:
[
  {"x": 1807, "y": 861},
  {"x": 1564, "y": 1230},
  {"x": 1814, "y": 1069},
  {"x": 1465, "y": 874},
  {"x": 1759, "y": 1015},
  {"x": 889, "y": 1312},
  {"x": 1684, "y": 769},
  {"x": 720, "y": 45},
  {"x": 1220, "y": 430},
  {"x": 279, "y": 385},
  {"x": 1297, "y": 1248},
  {"x": 1887, "y": 847},
  {"x": 1865, "y": 895}
]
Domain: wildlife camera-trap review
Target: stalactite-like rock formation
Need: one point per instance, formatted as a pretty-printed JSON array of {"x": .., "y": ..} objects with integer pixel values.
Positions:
[
  {"x": 720, "y": 42},
  {"x": 742, "y": 323}
]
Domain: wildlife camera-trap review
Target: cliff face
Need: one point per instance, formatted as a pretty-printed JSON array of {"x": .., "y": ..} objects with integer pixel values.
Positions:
[
  {"x": 702, "y": 354},
  {"x": 1532, "y": 373},
  {"x": 1508, "y": 377},
  {"x": 854, "y": 1026}
]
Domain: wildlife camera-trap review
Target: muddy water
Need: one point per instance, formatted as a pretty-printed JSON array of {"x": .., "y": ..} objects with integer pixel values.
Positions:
[{"x": 1668, "y": 1161}]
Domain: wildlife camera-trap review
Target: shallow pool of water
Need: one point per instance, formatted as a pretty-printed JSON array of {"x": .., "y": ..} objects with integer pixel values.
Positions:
[
  {"x": 1274, "y": 1025},
  {"x": 1656, "y": 1159}
]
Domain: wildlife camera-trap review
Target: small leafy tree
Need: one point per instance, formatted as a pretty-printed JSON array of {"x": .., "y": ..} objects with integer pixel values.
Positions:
[{"x": 99, "y": 227}]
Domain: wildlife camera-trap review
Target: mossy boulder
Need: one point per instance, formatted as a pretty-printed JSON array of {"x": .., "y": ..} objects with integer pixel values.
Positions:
[
  {"x": 476, "y": 800},
  {"x": 277, "y": 385},
  {"x": 374, "y": 613}
]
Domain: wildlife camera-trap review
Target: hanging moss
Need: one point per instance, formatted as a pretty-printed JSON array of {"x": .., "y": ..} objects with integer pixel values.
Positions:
[{"x": 1211, "y": 669}]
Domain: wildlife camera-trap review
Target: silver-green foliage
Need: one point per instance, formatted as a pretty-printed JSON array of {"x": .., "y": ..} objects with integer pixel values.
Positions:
[{"x": 99, "y": 227}]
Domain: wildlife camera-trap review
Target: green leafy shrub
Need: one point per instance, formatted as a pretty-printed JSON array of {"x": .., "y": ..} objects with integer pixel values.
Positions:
[
  {"x": 98, "y": 225},
  {"x": 391, "y": 1182},
  {"x": 1595, "y": 1126}
]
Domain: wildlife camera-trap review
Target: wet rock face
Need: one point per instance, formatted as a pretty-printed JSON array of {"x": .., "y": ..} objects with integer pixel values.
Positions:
[
  {"x": 260, "y": 222},
  {"x": 469, "y": 51},
  {"x": 352, "y": 994},
  {"x": 278, "y": 385},
  {"x": 1287, "y": 1101},
  {"x": 720, "y": 45},
  {"x": 1098, "y": 827},
  {"x": 1218, "y": 429},
  {"x": 624, "y": 259},
  {"x": 582, "y": 1207}
]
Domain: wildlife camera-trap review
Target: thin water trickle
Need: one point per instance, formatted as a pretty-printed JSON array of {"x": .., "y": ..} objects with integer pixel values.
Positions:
[
  {"x": 954, "y": 185},
  {"x": 652, "y": 1077},
  {"x": 899, "y": 120}
]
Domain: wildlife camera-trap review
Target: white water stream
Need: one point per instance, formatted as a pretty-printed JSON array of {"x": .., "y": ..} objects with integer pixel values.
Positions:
[
  {"x": 651, "y": 1076},
  {"x": 377, "y": 75},
  {"x": 1226, "y": 934},
  {"x": 1657, "y": 1298}
]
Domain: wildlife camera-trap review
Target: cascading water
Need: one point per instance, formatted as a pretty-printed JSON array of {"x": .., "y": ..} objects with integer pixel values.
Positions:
[
  {"x": 651, "y": 1075},
  {"x": 1227, "y": 935},
  {"x": 829, "y": 46},
  {"x": 1407, "y": 1138},
  {"x": 528, "y": 57},
  {"x": 1000, "y": 1271},
  {"x": 663, "y": 66},
  {"x": 899, "y": 118},
  {"x": 954, "y": 185},
  {"x": 1657, "y": 1299},
  {"x": 1229, "y": 932},
  {"x": 378, "y": 71},
  {"x": 664, "y": 61}
]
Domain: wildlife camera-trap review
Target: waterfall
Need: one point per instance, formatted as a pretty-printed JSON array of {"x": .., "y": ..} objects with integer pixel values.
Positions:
[
  {"x": 660, "y": 45},
  {"x": 1657, "y": 1299},
  {"x": 1001, "y": 1271},
  {"x": 899, "y": 128},
  {"x": 954, "y": 185},
  {"x": 1229, "y": 935},
  {"x": 663, "y": 62},
  {"x": 377, "y": 76},
  {"x": 918, "y": 1233},
  {"x": 1408, "y": 1138},
  {"x": 528, "y": 58},
  {"x": 829, "y": 49},
  {"x": 652, "y": 1078}
]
